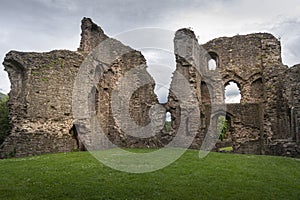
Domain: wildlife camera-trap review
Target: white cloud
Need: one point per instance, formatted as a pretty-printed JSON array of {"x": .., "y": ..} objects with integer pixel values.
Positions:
[
  {"x": 50, "y": 24},
  {"x": 233, "y": 99},
  {"x": 161, "y": 65},
  {"x": 232, "y": 93}
]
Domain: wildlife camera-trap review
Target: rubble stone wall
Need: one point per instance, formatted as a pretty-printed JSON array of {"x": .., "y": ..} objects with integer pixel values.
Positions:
[{"x": 40, "y": 102}]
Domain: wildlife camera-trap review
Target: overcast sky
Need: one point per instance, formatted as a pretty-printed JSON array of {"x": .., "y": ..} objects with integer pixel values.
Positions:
[{"x": 44, "y": 25}]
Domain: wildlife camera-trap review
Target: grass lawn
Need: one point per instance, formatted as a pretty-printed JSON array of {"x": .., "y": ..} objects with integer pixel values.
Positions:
[
  {"x": 79, "y": 175},
  {"x": 226, "y": 149}
]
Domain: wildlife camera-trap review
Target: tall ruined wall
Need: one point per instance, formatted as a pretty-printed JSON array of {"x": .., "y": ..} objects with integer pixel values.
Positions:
[
  {"x": 40, "y": 102},
  {"x": 188, "y": 63},
  {"x": 277, "y": 120},
  {"x": 273, "y": 70},
  {"x": 139, "y": 104},
  {"x": 122, "y": 61}
]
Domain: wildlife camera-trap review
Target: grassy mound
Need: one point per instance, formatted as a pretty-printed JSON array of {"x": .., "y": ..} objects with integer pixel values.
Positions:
[{"x": 79, "y": 175}]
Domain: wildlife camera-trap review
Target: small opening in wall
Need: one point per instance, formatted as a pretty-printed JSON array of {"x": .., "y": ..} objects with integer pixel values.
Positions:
[
  {"x": 168, "y": 122},
  {"x": 94, "y": 99},
  {"x": 212, "y": 61},
  {"x": 74, "y": 133},
  {"x": 212, "y": 64},
  {"x": 224, "y": 133},
  {"x": 232, "y": 93}
]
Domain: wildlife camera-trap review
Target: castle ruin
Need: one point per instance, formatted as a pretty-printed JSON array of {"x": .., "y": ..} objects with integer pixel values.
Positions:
[{"x": 266, "y": 121}]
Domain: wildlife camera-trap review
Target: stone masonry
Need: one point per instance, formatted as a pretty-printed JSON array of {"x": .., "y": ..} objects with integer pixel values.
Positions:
[{"x": 266, "y": 121}]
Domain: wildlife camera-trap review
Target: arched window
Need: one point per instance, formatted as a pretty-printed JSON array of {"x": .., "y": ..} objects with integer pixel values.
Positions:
[
  {"x": 212, "y": 64},
  {"x": 94, "y": 99},
  {"x": 212, "y": 61},
  {"x": 168, "y": 122},
  {"x": 206, "y": 91},
  {"x": 168, "y": 117},
  {"x": 232, "y": 93}
]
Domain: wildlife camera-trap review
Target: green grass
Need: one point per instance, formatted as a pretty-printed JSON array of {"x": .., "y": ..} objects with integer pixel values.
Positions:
[
  {"x": 226, "y": 149},
  {"x": 79, "y": 175}
]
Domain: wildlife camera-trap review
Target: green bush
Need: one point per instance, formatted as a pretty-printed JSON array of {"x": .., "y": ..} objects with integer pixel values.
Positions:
[{"x": 4, "y": 119}]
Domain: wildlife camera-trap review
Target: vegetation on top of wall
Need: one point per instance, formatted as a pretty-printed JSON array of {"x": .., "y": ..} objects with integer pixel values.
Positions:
[{"x": 4, "y": 119}]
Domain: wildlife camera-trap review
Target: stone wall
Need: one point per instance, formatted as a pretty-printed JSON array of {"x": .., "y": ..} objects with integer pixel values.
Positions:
[
  {"x": 140, "y": 102},
  {"x": 287, "y": 143},
  {"x": 291, "y": 94},
  {"x": 40, "y": 102}
]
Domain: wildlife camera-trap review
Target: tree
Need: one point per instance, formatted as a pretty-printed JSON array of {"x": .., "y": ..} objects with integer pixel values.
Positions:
[{"x": 5, "y": 126}]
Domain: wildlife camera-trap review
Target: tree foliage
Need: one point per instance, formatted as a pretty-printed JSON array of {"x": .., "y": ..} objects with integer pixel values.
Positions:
[
  {"x": 222, "y": 126},
  {"x": 5, "y": 126},
  {"x": 168, "y": 126}
]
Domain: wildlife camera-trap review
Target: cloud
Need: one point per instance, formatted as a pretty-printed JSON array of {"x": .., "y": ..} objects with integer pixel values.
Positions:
[
  {"x": 232, "y": 93},
  {"x": 43, "y": 25},
  {"x": 233, "y": 99},
  {"x": 288, "y": 30},
  {"x": 161, "y": 65}
]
